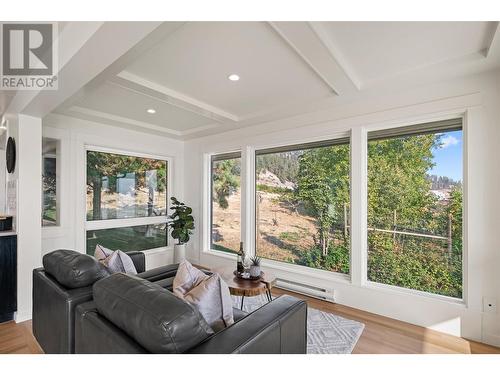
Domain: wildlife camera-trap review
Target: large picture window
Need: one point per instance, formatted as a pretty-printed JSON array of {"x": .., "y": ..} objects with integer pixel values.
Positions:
[
  {"x": 126, "y": 201},
  {"x": 415, "y": 207},
  {"x": 303, "y": 205},
  {"x": 225, "y": 186}
]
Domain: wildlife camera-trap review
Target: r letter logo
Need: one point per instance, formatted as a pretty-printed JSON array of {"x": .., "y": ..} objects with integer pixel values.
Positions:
[{"x": 28, "y": 56}]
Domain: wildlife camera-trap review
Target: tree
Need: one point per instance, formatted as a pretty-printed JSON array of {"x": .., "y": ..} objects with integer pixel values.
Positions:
[
  {"x": 323, "y": 187},
  {"x": 283, "y": 165},
  {"x": 114, "y": 167},
  {"x": 226, "y": 179},
  {"x": 397, "y": 170}
]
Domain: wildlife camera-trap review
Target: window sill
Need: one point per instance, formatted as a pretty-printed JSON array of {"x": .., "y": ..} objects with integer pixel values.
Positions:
[
  {"x": 288, "y": 267},
  {"x": 307, "y": 271},
  {"x": 157, "y": 250},
  {"x": 417, "y": 293},
  {"x": 295, "y": 269},
  {"x": 219, "y": 253}
]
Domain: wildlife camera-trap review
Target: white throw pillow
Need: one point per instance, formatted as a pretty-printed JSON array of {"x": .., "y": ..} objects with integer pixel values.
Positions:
[
  {"x": 102, "y": 252},
  {"x": 213, "y": 300},
  {"x": 186, "y": 278},
  {"x": 115, "y": 261},
  {"x": 209, "y": 294}
]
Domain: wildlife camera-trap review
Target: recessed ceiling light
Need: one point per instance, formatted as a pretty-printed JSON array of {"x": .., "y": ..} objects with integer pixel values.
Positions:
[
  {"x": 233, "y": 77},
  {"x": 151, "y": 111}
]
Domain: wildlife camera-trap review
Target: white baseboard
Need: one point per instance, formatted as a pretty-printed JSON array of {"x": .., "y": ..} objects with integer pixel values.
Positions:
[
  {"x": 22, "y": 316},
  {"x": 491, "y": 339}
]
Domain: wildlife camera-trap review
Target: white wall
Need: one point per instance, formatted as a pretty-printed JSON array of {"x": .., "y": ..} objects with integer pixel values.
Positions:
[
  {"x": 27, "y": 132},
  {"x": 478, "y": 100},
  {"x": 75, "y": 135}
]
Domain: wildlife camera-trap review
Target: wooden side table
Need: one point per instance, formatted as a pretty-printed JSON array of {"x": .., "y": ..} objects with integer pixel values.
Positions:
[{"x": 246, "y": 288}]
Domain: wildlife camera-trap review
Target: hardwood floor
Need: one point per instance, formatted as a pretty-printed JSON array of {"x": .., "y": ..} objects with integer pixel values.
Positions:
[
  {"x": 18, "y": 339},
  {"x": 381, "y": 335},
  {"x": 389, "y": 336}
]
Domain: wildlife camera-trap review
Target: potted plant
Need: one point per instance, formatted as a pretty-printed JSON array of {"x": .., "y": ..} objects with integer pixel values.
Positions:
[
  {"x": 255, "y": 266},
  {"x": 182, "y": 225}
]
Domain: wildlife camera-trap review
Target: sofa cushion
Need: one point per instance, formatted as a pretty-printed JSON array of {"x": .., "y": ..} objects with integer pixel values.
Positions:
[
  {"x": 154, "y": 317},
  {"x": 114, "y": 260},
  {"x": 72, "y": 269},
  {"x": 213, "y": 301},
  {"x": 187, "y": 278}
]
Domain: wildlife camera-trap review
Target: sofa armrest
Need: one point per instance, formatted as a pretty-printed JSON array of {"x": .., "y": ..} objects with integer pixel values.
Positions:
[
  {"x": 53, "y": 317},
  {"x": 139, "y": 260},
  {"x": 277, "y": 327},
  {"x": 95, "y": 334},
  {"x": 159, "y": 273}
]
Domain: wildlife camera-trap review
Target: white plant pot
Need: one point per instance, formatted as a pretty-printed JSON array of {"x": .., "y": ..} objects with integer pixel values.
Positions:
[
  {"x": 179, "y": 253},
  {"x": 254, "y": 271}
]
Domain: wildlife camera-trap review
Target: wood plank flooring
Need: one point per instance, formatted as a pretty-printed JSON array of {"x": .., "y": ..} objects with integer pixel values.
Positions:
[
  {"x": 384, "y": 335},
  {"x": 18, "y": 339},
  {"x": 381, "y": 335}
]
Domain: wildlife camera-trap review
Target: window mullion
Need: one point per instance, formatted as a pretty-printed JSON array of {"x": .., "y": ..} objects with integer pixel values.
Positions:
[
  {"x": 248, "y": 201},
  {"x": 359, "y": 207}
]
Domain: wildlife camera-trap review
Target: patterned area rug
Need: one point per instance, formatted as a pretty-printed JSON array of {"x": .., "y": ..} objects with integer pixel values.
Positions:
[{"x": 326, "y": 333}]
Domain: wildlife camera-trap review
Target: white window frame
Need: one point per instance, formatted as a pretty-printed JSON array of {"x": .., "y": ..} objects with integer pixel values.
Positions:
[
  {"x": 363, "y": 189},
  {"x": 207, "y": 232},
  {"x": 297, "y": 147},
  {"x": 130, "y": 222},
  {"x": 358, "y": 133}
]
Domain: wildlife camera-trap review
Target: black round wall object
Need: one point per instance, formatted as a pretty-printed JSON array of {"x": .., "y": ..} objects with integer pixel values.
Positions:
[{"x": 10, "y": 155}]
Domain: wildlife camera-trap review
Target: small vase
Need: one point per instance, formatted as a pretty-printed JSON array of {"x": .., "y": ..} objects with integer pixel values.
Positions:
[
  {"x": 179, "y": 253},
  {"x": 254, "y": 271}
]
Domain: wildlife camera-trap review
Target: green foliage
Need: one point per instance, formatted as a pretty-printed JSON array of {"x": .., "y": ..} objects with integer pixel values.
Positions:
[
  {"x": 272, "y": 189},
  {"x": 419, "y": 266},
  {"x": 225, "y": 180},
  {"x": 284, "y": 164},
  {"x": 115, "y": 166},
  {"x": 289, "y": 236},
  {"x": 397, "y": 181},
  {"x": 399, "y": 198},
  {"x": 323, "y": 187},
  {"x": 182, "y": 222},
  {"x": 336, "y": 259},
  {"x": 255, "y": 261}
]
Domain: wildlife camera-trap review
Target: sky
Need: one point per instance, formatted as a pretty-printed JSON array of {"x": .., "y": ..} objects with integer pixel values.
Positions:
[{"x": 448, "y": 157}]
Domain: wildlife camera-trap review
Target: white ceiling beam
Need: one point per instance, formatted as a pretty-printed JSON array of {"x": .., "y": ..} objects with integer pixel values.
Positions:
[
  {"x": 307, "y": 44},
  {"x": 492, "y": 39},
  {"x": 335, "y": 52},
  {"x": 85, "y": 50},
  {"x": 86, "y": 113},
  {"x": 138, "y": 84},
  {"x": 115, "y": 120}
]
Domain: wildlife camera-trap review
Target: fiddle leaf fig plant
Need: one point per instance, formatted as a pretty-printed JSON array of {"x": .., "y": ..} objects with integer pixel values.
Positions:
[{"x": 181, "y": 221}]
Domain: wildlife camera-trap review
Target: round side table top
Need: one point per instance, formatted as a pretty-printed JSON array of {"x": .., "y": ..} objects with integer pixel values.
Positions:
[{"x": 247, "y": 288}]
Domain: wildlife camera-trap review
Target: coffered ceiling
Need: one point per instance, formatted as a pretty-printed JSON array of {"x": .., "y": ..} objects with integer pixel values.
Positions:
[{"x": 180, "y": 71}]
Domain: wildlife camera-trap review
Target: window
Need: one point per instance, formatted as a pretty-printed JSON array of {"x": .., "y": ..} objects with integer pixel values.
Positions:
[
  {"x": 225, "y": 186},
  {"x": 415, "y": 207},
  {"x": 126, "y": 201},
  {"x": 302, "y": 205},
  {"x": 140, "y": 237},
  {"x": 50, "y": 181}
]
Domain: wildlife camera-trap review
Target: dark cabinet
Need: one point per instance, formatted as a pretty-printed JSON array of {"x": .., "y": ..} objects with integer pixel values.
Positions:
[{"x": 8, "y": 277}]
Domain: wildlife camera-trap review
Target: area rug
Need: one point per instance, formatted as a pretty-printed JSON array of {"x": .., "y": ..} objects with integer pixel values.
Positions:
[{"x": 327, "y": 333}]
